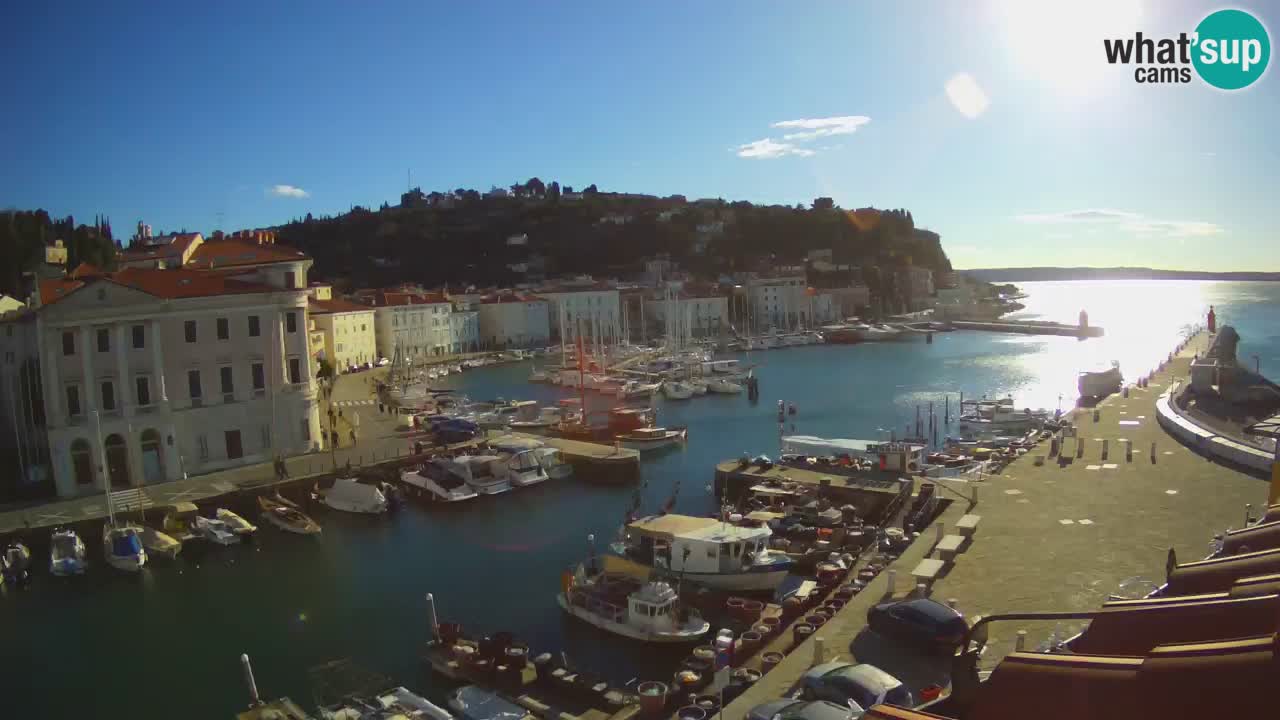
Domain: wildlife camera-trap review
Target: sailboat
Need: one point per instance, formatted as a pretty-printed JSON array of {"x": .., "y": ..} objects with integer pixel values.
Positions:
[{"x": 121, "y": 540}]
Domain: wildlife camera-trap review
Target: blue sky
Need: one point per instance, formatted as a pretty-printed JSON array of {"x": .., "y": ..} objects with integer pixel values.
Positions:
[{"x": 183, "y": 114}]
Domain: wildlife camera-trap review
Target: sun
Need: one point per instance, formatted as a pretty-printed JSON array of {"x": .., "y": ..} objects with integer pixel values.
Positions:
[{"x": 1060, "y": 43}]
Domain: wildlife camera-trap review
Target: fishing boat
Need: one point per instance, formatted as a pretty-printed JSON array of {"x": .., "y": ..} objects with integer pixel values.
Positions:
[
  {"x": 997, "y": 417},
  {"x": 533, "y": 419},
  {"x": 351, "y": 495},
  {"x": 286, "y": 516},
  {"x": 723, "y": 386},
  {"x": 160, "y": 544},
  {"x": 16, "y": 561},
  {"x": 215, "y": 531},
  {"x": 238, "y": 525},
  {"x": 705, "y": 551},
  {"x": 67, "y": 554},
  {"x": 1100, "y": 382},
  {"x": 677, "y": 390},
  {"x": 435, "y": 483},
  {"x": 122, "y": 545},
  {"x": 653, "y": 438},
  {"x": 623, "y": 605}
]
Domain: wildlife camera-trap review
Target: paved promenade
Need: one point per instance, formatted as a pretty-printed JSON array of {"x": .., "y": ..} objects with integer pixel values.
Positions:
[{"x": 1056, "y": 536}]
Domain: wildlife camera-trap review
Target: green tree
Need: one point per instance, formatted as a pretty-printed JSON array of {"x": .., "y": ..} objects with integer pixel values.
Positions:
[{"x": 325, "y": 372}]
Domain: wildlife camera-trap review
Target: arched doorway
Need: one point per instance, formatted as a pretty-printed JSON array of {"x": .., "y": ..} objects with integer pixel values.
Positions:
[
  {"x": 152, "y": 458},
  {"x": 117, "y": 461},
  {"x": 82, "y": 462}
]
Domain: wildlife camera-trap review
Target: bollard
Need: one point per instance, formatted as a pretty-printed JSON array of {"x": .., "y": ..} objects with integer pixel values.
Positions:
[
  {"x": 1128, "y": 451},
  {"x": 1021, "y": 642},
  {"x": 921, "y": 590},
  {"x": 1248, "y": 514},
  {"x": 431, "y": 617},
  {"x": 1105, "y": 447},
  {"x": 952, "y": 602},
  {"x": 1079, "y": 447},
  {"x": 893, "y": 579},
  {"x": 248, "y": 680},
  {"x": 1153, "y": 451},
  {"x": 974, "y": 500},
  {"x": 818, "y": 653},
  {"x": 941, "y": 530}
]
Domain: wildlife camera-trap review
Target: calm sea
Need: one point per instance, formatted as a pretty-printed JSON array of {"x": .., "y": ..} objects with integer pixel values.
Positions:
[{"x": 166, "y": 643}]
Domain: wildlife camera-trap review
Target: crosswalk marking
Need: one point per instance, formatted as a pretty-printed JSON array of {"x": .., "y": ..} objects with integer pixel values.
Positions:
[{"x": 349, "y": 403}]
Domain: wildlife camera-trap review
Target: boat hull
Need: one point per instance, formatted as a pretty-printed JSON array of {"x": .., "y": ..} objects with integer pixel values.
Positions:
[{"x": 626, "y": 630}]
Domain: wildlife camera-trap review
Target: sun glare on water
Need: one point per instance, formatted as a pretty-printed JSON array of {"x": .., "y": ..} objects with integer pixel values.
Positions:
[{"x": 1060, "y": 43}]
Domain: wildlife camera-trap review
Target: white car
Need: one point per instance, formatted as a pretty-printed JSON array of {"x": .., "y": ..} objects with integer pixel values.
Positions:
[{"x": 382, "y": 362}]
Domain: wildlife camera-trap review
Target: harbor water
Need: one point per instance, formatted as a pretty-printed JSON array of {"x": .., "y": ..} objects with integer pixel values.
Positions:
[{"x": 166, "y": 643}]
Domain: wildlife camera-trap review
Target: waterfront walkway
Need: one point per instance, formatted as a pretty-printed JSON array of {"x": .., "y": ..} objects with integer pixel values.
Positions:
[{"x": 1056, "y": 537}]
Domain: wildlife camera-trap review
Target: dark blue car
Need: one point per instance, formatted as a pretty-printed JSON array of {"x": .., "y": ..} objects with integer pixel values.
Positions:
[{"x": 923, "y": 622}]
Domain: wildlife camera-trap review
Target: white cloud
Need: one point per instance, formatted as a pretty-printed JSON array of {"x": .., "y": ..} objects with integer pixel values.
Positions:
[
  {"x": 769, "y": 148},
  {"x": 1123, "y": 220},
  {"x": 967, "y": 96},
  {"x": 822, "y": 127},
  {"x": 288, "y": 191}
]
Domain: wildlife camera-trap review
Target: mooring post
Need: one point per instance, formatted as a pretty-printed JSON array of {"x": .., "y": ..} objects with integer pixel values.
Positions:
[
  {"x": 431, "y": 617},
  {"x": 254, "y": 700}
]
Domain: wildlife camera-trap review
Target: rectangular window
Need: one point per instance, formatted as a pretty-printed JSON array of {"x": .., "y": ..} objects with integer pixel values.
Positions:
[
  {"x": 224, "y": 329},
  {"x": 73, "y": 400},
  {"x": 266, "y": 436},
  {"x": 104, "y": 340},
  {"x": 202, "y": 447},
  {"x": 234, "y": 449},
  {"x": 108, "y": 395},
  {"x": 144, "y": 390},
  {"x": 189, "y": 329},
  {"x": 228, "y": 386},
  {"x": 290, "y": 279},
  {"x": 254, "y": 329},
  {"x": 295, "y": 371},
  {"x": 139, "y": 337},
  {"x": 306, "y": 430},
  {"x": 291, "y": 322},
  {"x": 193, "y": 384},
  {"x": 259, "y": 377}
]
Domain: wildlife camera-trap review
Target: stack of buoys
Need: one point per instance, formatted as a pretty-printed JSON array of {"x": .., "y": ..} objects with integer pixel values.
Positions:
[
  {"x": 746, "y": 676},
  {"x": 762, "y": 630},
  {"x": 748, "y": 643},
  {"x": 792, "y": 607},
  {"x": 815, "y": 620},
  {"x": 735, "y": 607},
  {"x": 653, "y": 697},
  {"x": 829, "y": 573},
  {"x": 686, "y": 680},
  {"x": 769, "y": 661},
  {"x": 691, "y": 712},
  {"x": 751, "y": 610},
  {"x": 845, "y": 592},
  {"x": 709, "y": 703},
  {"x": 772, "y": 622}
]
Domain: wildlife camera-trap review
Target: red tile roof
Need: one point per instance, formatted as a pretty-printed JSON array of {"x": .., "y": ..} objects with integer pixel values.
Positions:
[
  {"x": 84, "y": 270},
  {"x": 176, "y": 245},
  {"x": 226, "y": 253},
  {"x": 168, "y": 284},
  {"x": 388, "y": 298},
  {"x": 322, "y": 307}
]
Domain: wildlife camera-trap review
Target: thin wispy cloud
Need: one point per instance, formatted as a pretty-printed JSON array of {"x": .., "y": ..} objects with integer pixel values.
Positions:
[
  {"x": 768, "y": 148},
  {"x": 966, "y": 95},
  {"x": 821, "y": 127},
  {"x": 1125, "y": 221},
  {"x": 806, "y": 130},
  {"x": 287, "y": 191}
]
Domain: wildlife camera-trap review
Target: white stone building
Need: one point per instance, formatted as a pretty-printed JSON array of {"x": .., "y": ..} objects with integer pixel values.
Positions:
[
  {"x": 594, "y": 310},
  {"x": 780, "y": 303},
  {"x": 703, "y": 314},
  {"x": 346, "y": 330},
  {"x": 514, "y": 320},
  {"x": 150, "y": 374},
  {"x": 415, "y": 323}
]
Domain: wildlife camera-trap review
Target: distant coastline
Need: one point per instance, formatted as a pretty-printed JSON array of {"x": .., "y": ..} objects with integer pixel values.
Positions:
[{"x": 1033, "y": 274}]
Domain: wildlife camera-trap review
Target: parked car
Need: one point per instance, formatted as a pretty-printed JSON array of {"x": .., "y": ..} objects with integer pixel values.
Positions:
[
  {"x": 867, "y": 685},
  {"x": 923, "y": 622},
  {"x": 804, "y": 710},
  {"x": 382, "y": 362}
]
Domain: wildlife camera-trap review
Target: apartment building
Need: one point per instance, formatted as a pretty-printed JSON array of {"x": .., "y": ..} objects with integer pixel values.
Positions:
[
  {"x": 413, "y": 322},
  {"x": 345, "y": 330},
  {"x": 514, "y": 320},
  {"x": 592, "y": 310}
]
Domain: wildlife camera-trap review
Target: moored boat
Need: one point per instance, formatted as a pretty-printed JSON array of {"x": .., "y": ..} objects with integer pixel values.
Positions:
[
  {"x": 67, "y": 555},
  {"x": 160, "y": 544},
  {"x": 285, "y": 516},
  {"x": 677, "y": 390},
  {"x": 122, "y": 545},
  {"x": 723, "y": 386},
  {"x": 705, "y": 551},
  {"x": 16, "y": 561},
  {"x": 644, "y": 439},
  {"x": 434, "y": 482},
  {"x": 215, "y": 531},
  {"x": 351, "y": 495},
  {"x": 1096, "y": 384},
  {"x": 238, "y": 525},
  {"x": 553, "y": 463},
  {"x": 623, "y": 605}
]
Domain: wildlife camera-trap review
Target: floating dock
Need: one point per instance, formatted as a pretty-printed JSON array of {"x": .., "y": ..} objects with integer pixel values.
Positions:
[{"x": 1030, "y": 327}]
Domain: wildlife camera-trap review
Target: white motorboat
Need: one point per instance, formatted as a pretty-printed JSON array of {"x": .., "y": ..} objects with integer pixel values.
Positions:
[
  {"x": 634, "y": 389},
  {"x": 1101, "y": 382},
  {"x": 705, "y": 551},
  {"x": 723, "y": 386},
  {"x": 216, "y": 531},
  {"x": 238, "y": 525},
  {"x": 122, "y": 545},
  {"x": 553, "y": 463},
  {"x": 677, "y": 390},
  {"x": 997, "y": 417},
  {"x": 160, "y": 544},
  {"x": 435, "y": 483},
  {"x": 16, "y": 561},
  {"x": 351, "y": 495},
  {"x": 699, "y": 386},
  {"x": 67, "y": 555},
  {"x": 604, "y": 384},
  {"x": 646, "y": 439},
  {"x": 478, "y": 472},
  {"x": 622, "y": 605}
]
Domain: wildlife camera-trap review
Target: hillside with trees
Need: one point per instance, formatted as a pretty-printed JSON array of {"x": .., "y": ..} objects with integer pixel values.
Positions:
[
  {"x": 461, "y": 238},
  {"x": 24, "y": 235}
]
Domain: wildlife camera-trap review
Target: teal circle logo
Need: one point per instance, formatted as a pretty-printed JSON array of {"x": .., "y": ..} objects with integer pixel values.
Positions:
[{"x": 1232, "y": 49}]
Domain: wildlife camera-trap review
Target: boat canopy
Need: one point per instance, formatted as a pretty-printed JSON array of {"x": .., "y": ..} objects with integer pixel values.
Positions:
[
  {"x": 834, "y": 447},
  {"x": 183, "y": 509},
  {"x": 123, "y": 545}
]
